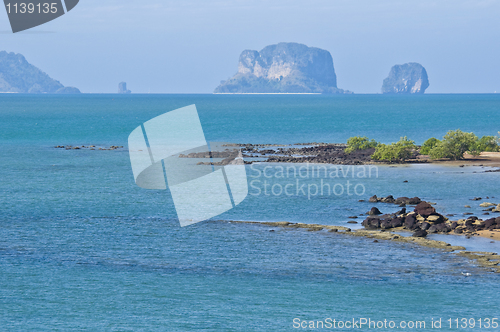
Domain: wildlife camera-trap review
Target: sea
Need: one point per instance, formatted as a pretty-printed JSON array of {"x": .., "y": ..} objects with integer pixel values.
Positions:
[{"x": 83, "y": 248}]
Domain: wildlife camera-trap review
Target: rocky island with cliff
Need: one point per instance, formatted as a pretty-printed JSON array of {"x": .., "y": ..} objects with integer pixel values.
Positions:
[
  {"x": 284, "y": 68},
  {"x": 17, "y": 75},
  {"x": 409, "y": 78}
]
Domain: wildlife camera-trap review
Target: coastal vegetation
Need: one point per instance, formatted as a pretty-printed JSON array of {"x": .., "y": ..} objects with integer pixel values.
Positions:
[
  {"x": 395, "y": 152},
  {"x": 453, "y": 146},
  {"x": 360, "y": 143},
  {"x": 456, "y": 142}
]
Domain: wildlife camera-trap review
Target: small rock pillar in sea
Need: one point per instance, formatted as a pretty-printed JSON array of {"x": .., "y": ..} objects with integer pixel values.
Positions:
[{"x": 122, "y": 88}]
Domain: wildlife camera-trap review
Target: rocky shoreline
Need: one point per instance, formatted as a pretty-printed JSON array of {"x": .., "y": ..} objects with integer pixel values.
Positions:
[
  {"x": 89, "y": 147},
  {"x": 424, "y": 219},
  {"x": 487, "y": 260}
]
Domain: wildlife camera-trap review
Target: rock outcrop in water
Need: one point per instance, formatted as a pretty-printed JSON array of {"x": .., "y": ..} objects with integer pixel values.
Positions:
[
  {"x": 122, "y": 88},
  {"x": 406, "y": 79},
  {"x": 283, "y": 68},
  {"x": 18, "y": 75}
]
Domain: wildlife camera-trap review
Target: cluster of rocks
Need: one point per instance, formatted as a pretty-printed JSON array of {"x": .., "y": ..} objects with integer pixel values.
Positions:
[
  {"x": 424, "y": 219},
  {"x": 401, "y": 201},
  {"x": 90, "y": 147},
  {"x": 490, "y": 207},
  {"x": 323, "y": 154}
]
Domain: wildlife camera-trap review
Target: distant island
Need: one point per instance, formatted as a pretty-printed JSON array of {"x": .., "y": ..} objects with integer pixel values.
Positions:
[
  {"x": 283, "y": 68},
  {"x": 19, "y": 76},
  {"x": 122, "y": 88},
  {"x": 406, "y": 79}
]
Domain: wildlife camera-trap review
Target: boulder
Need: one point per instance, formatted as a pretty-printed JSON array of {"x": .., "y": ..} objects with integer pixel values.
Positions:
[
  {"x": 371, "y": 223},
  {"x": 385, "y": 224},
  {"x": 402, "y": 200},
  {"x": 373, "y": 199},
  {"x": 374, "y": 211},
  {"x": 425, "y": 209},
  {"x": 486, "y": 204},
  {"x": 388, "y": 199},
  {"x": 410, "y": 222},
  {"x": 397, "y": 222},
  {"x": 420, "y": 233},
  {"x": 425, "y": 226},
  {"x": 432, "y": 229},
  {"x": 414, "y": 201},
  {"x": 436, "y": 218},
  {"x": 400, "y": 212}
]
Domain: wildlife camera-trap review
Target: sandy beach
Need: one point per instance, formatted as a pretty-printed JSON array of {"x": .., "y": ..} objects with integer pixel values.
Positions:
[
  {"x": 493, "y": 235},
  {"x": 490, "y": 159}
]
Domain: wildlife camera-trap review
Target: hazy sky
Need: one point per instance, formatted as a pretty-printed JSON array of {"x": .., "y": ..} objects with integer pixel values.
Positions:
[{"x": 163, "y": 46}]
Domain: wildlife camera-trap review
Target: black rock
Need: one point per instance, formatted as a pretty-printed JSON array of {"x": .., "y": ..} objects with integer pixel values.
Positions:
[
  {"x": 443, "y": 228},
  {"x": 373, "y": 199},
  {"x": 402, "y": 211},
  {"x": 425, "y": 226},
  {"x": 385, "y": 224},
  {"x": 454, "y": 225},
  {"x": 374, "y": 211},
  {"x": 425, "y": 209},
  {"x": 432, "y": 229},
  {"x": 414, "y": 201},
  {"x": 410, "y": 222},
  {"x": 420, "y": 233},
  {"x": 397, "y": 222},
  {"x": 388, "y": 199},
  {"x": 401, "y": 200},
  {"x": 371, "y": 223}
]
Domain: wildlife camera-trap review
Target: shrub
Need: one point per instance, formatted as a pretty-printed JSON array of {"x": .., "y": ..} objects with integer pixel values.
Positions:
[
  {"x": 454, "y": 144},
  {"x": 429, "y": 145},
  {"x": 359, "y": 143},
  {"x": 395, "y": 152},
  {"x": 488, "y": 144}
]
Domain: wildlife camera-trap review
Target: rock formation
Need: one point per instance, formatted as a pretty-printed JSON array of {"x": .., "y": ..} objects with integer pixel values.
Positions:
[
  {"x": 17, "y": 75},
  {"x": 406, "y": 79},
  {"x": 283, "y": 68},
  {"x": 122, "y": 88}
]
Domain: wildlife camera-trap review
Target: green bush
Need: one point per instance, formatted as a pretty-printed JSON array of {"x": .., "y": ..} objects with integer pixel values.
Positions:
[
  {"x": 359, "y": 143},
  {"x": 454, "y": 144},
  {"x": 429, "y": 145},
  {"x": 395, "y": 152},
  {"x": 488, "y": 144}
]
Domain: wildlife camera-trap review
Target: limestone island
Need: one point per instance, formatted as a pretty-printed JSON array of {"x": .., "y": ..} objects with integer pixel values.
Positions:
[
  {"x": 19, "y": 76},
  {"x": 410, "y": 78},
  {"x": 284, "y": 68}
]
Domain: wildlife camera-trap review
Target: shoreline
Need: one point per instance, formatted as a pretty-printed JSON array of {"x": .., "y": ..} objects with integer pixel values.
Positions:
[{"x": 488, "y": 260}]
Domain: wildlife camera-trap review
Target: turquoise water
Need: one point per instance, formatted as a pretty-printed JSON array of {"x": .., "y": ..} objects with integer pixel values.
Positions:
[{"x": 83, "y": 248}]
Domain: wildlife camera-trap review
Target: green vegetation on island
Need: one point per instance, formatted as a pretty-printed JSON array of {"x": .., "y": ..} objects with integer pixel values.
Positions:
[{"x": 453, "y": 146}]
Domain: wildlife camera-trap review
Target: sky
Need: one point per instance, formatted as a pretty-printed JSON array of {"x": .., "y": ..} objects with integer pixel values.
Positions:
[{"x": 189, "y": 46}]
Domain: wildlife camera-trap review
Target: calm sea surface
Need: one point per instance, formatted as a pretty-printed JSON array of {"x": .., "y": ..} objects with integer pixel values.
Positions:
[{"x": 83, "y": 248}]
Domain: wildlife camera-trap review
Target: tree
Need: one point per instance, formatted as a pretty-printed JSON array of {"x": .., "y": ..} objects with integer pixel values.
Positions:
[
  {"x": 488, "y": 144},
  {"x": 395, "y": 152},
  {"x": 429, "y": 145},
  {"x": 454, "y": 144},
  {"x": 359, "y": 143}
]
